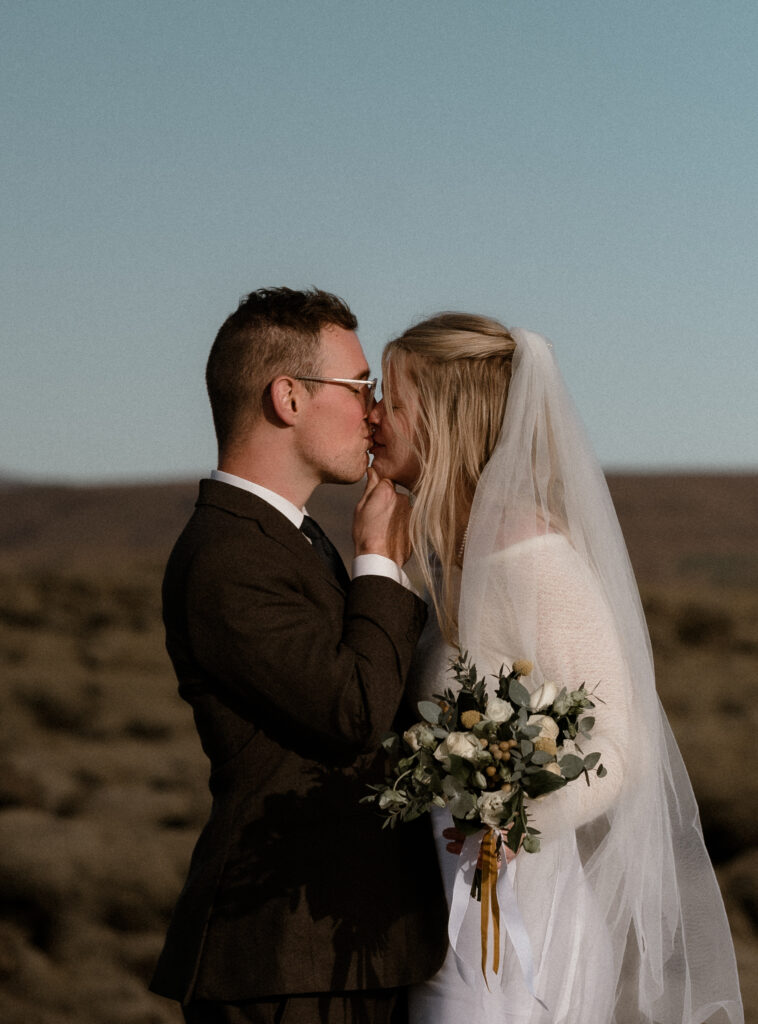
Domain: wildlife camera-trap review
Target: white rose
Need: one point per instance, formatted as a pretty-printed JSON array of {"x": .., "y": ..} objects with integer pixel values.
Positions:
[
  {"x": 548, "y": 726},
  {"x": 462, "y": 744},
  {"x": 498, "y": 710},
  {"x": 490, "y": 806},
  {"x": 419, "y": 735},
  {"x": 543, "y": 696}
]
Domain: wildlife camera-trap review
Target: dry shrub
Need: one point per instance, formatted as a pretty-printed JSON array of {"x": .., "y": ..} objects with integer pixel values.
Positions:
[{"x": 103, "y": 786}]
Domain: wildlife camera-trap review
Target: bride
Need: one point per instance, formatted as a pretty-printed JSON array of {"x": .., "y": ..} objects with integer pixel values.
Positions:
[{"x": 522, "y": 555}]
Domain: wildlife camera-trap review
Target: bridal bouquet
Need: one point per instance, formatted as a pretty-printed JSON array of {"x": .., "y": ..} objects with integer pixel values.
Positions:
[{"x": 483, "y": 756}]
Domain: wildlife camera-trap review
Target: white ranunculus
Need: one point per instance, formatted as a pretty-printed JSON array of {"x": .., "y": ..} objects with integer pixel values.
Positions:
[
  {"x": 490, "y": 806},
  {"x": 548, "y": 726},
  {"x": 420, "y": 735},
  {"x": 498, "y": 710},
  {"x": 462, "y": 744},
  {"x": 544, "y": 696}
]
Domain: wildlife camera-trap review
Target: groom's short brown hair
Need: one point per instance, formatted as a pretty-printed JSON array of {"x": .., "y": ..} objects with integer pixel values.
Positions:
[{"x": 274, "y": 331}]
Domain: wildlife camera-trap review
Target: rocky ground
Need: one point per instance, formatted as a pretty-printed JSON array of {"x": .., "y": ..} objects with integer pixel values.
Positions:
[{"x": 102, "y": 785}]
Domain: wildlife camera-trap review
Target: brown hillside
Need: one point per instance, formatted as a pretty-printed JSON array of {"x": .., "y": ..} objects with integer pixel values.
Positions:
[{"x": 688, "y": 527}]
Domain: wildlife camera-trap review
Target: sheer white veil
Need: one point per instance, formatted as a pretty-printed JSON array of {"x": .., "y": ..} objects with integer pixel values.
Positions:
[{"x": 631, "y": 890}]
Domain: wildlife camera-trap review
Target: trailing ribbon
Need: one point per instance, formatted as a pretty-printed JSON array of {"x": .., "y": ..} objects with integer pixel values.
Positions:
[
  {"x": 498, "y": 902},
  {"x": 490, "y": 907}
]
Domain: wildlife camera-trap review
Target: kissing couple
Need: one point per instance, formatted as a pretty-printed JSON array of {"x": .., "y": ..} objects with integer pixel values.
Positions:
[{"x": 299, "y": 908}]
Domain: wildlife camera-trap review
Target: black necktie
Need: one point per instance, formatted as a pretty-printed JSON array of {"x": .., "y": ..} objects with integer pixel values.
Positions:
[{"x": 324, "y": 547}]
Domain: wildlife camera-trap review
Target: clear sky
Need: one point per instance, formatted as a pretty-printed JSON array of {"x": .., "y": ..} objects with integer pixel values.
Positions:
[{"x": 585, "y": 168}]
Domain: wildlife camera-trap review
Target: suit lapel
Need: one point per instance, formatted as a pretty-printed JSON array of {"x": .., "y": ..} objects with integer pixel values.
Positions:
[{"x": 273, "y": 523}]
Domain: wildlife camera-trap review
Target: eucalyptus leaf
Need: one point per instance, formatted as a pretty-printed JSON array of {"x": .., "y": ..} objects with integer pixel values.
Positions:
[
  {"x": 526, "y": 747},
  {"x": 602, "y": 771},
  {"x": 587, "y": 724},
  {"x": 543, "y": 782},
  {"x": 429, "y": 711},
  {"x": 515, "y": 835},
  {"x": 571, "y": 766},
  {"x": 542, "y": 757},
  {"x": 591, "y": 760},
  {"x": 518, "y": 694}
]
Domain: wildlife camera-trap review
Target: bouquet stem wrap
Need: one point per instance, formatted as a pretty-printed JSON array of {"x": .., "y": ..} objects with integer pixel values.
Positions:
[
  {"x": 499, "y": 904},
  {"x": 489, "y": 901}
]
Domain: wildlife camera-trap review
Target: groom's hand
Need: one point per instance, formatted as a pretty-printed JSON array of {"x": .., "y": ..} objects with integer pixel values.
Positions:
[{"x": 380, "y": 523}]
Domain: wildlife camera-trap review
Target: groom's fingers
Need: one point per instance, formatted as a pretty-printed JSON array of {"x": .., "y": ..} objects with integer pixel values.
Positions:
[
  {"x": 380, "y": 523},
  {"x": 372, "y": 479}
]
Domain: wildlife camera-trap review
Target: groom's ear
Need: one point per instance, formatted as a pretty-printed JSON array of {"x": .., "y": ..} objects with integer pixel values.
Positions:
[{"x": 285, "y": 398}]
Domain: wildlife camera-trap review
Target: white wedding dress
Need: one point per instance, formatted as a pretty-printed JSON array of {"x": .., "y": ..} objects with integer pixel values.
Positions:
[{"x": 575, "y": 645}]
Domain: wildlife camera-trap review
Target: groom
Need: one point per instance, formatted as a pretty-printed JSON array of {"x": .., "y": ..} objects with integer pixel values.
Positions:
[{"x": 298, "y": 907}]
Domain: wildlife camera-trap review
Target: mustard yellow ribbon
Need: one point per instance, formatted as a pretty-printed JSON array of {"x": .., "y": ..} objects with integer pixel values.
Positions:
[{"x": 490, "y": 906}]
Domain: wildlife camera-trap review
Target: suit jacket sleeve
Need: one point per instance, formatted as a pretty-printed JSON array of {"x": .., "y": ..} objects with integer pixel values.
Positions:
[{"x": 278, "y": 634}]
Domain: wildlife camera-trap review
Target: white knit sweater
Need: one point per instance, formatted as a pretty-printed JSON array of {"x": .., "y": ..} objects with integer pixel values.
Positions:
[{"x": 575, "y": 643}]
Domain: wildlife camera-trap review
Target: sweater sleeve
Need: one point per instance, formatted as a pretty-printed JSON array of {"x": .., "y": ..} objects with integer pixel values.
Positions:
[{"x": 575, "y": 642}]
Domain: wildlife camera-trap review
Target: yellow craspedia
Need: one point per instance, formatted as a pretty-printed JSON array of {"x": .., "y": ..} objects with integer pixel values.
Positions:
[
  {"x": 470, "y": 718},
  {"x": 522, "y": 667}
]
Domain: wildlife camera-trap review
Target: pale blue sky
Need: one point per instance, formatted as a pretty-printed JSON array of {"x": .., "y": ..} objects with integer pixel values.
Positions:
[{"x": 585, "y": 168}]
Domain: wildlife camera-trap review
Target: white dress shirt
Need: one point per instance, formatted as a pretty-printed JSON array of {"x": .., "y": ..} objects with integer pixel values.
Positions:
[{"x": 363, "y": 565}]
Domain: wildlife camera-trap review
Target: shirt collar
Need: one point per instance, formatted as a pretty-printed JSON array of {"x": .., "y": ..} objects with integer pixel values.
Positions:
[{"x": 292, "y": 512}]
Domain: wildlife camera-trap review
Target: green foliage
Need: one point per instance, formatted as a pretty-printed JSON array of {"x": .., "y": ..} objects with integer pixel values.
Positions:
[
  {"x": 518, "y": 694},
  {"x": 485, "y": 773},
  {"x": 430, "y": 711}
]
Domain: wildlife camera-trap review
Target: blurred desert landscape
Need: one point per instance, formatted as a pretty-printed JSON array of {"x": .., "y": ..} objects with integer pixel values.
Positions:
[{"x": 102, "y": 781}]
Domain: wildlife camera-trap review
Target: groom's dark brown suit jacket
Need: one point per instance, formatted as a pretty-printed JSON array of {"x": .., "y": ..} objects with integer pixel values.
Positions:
[{"x": 293, "y": 887}]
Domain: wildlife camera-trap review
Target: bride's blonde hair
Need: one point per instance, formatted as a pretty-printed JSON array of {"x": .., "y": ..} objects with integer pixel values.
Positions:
[{"x": 460, "y": 367}]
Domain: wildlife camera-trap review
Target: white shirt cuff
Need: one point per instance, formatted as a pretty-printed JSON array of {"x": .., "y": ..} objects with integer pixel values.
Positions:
[{"x": 379, "y": 565}]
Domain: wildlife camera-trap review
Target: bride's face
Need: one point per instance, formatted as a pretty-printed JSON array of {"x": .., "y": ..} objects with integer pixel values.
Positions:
[{"x": 393, "y": 450}]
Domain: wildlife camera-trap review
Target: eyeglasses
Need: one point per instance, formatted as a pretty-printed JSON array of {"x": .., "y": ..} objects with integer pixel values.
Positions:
[{"x": 364, "y": 389}]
